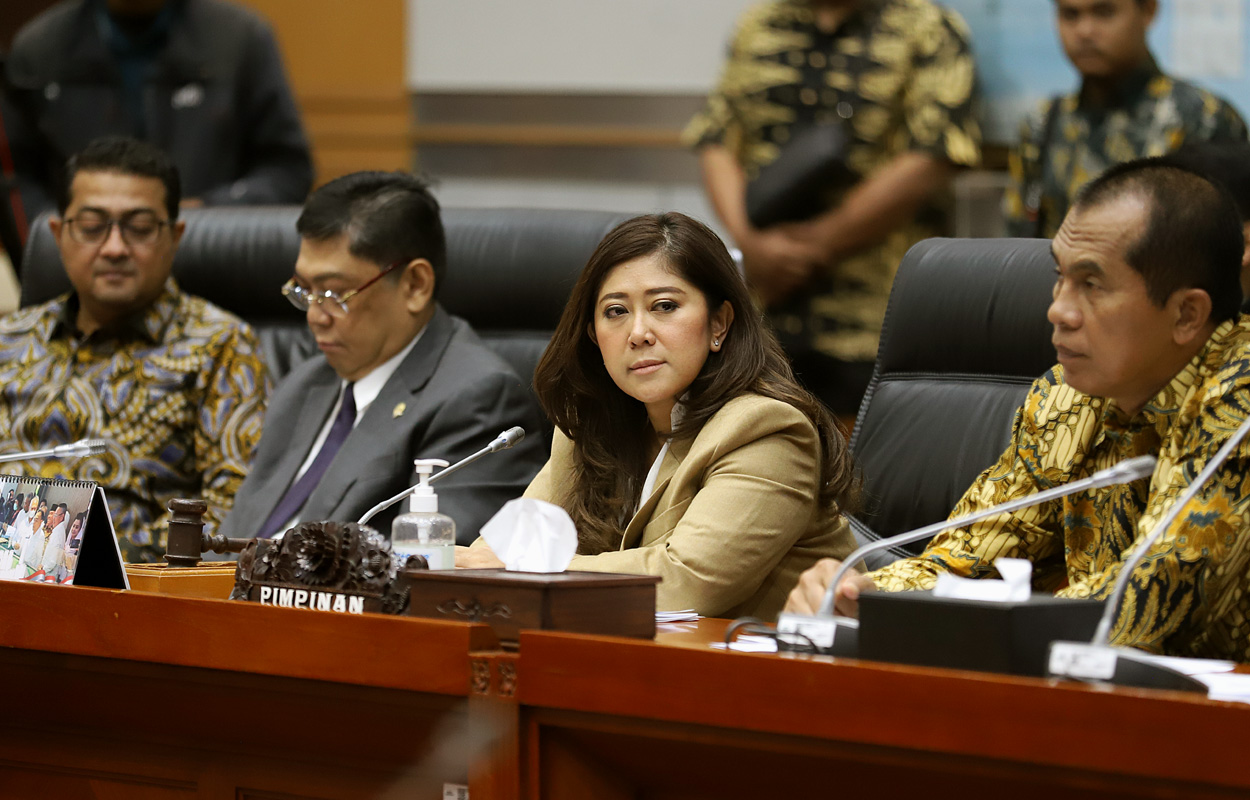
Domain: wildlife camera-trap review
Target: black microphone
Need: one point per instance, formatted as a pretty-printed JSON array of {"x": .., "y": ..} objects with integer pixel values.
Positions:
[
  {"x": 85, "y": 447},
  {"x": 821, "y": 628},
  {"x": 1097, "y": 660},
  {"x": 503, "y": 441}
]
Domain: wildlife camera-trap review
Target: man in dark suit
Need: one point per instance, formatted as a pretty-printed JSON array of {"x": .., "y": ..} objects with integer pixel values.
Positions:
[
  {"x": 399, "y": 377},
  {"x": 200, "y": 79},
  {"x": 10, "y": 509}
]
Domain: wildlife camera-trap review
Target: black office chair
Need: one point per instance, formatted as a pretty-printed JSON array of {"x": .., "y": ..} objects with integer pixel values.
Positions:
[
  {"x": 965, "y": 334},
  {"x": 509, "y": 273},
  {"x": 11, "y": 234}
]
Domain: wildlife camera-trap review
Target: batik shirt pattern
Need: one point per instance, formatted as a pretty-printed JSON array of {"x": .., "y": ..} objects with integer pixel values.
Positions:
[
  {"x": 177, "y": 392},
  {"x": 899, "y": 74},
  {"x": 1152, "y": 115},
  {"x": 1188, "y": 597}
]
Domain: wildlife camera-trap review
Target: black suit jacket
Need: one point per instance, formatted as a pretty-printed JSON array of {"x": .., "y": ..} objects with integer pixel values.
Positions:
[
  {"x": 456, "y": 396},
  {"x": 216, "y": 100}
]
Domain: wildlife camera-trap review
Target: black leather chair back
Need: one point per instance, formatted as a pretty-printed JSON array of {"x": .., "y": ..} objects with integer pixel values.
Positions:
[
  {"x": 965, "y": 334},
  {"x": 509, "y": 272},
  {"x": 10, "y": 233}
]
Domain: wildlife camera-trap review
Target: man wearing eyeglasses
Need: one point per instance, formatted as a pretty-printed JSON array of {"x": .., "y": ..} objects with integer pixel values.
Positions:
[
  {"x": 399, "y": 378},
  {"x": 173, "y": 384}
]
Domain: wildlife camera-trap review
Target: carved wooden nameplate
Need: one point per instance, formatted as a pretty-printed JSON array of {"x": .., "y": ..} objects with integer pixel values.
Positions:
[{"x": 326, "y": 566}]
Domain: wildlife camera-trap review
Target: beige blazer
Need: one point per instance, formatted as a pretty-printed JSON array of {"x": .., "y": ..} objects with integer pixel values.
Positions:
[{"x": 733, "y": 518}]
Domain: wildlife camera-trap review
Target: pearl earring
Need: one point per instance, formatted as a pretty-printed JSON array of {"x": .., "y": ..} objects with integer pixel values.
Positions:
[{"x": 716, "y": 343}]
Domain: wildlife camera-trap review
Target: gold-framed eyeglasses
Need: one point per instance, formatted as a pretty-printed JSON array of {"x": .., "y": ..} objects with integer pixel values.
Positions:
[
  {"x": 332, "y": 303},
  {"x": 138, "y": 228}
]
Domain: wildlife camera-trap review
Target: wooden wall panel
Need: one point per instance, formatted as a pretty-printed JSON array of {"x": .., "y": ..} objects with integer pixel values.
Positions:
[
  {"x": 16, "y": 13},
  {"x": 346, "y": 65}
]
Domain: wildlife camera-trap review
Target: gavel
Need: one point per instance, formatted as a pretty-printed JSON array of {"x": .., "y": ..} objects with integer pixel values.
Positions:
[{"x": 187, "y": 539}]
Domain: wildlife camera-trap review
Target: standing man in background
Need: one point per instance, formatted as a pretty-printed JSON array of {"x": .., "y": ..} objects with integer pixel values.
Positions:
[
  {"x": 201, "y": 79},
  {"x": 897, "y": 77},
  {"x": 1126, "y": 108}
]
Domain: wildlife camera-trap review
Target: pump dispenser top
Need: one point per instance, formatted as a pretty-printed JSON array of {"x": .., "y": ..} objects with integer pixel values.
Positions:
[
  {"x": 423, "y": 531},
  {"x": 423, "y": 499}
]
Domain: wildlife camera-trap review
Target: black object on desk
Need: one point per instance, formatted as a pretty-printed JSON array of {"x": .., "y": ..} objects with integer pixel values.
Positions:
[{"x": 1012, "y": 638}]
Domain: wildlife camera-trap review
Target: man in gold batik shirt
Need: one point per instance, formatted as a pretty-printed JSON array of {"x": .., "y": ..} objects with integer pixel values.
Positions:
[
  {"x": 1125, "y": 108},
  {"x": 898, "y": 77},
  {"x": 1153, "y": 359},
  {"x": 174, "y": 385}
]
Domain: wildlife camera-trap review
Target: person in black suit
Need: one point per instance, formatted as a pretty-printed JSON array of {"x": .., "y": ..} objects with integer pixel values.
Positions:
[
  {"x": 200, "y": 79},
  {"x": 399, "y": 378},
  {"x": 8, "y": 512}
]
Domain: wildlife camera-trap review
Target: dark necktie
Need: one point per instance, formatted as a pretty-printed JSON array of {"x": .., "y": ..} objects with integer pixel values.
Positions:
[{"x": 302, "y": 489}]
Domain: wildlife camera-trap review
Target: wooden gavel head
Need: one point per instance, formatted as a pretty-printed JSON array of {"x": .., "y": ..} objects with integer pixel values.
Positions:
[{"x": 187, "y": 541}]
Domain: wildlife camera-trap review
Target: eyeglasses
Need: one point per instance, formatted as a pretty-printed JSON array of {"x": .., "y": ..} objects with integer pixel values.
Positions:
[
  {"x": 332, "y": 303},
  {"x": 138, "y": 228}
]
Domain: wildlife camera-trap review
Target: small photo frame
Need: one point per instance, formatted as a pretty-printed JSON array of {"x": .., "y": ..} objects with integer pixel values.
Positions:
[{"x": 58, "y": 531}]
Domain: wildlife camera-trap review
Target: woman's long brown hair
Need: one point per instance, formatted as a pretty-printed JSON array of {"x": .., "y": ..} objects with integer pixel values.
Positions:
[{"x": 609, "y": 429}]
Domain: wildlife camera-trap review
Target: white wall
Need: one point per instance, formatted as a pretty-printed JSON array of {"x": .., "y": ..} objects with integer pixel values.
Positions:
[
  {"x": 627, "y": 197},
  {"x": 570, "y": 46}
]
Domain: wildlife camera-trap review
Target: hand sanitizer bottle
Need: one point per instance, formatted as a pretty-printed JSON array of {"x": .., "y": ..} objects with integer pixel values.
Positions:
[{"x": 423, "y": 531}]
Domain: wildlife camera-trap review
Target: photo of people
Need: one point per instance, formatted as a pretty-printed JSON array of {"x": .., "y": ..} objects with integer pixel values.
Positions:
[{"x": 41, "y": 528}]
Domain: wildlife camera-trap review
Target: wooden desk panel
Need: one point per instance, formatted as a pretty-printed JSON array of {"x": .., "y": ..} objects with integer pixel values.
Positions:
[
  {"x": 676, "y": 719},
  {"x": 370, "y": 650},
  {"x": 126, "y": 695}
]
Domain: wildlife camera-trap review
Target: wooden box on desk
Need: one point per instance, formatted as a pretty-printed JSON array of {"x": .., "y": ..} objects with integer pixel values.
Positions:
[
  {"x": 214, "y": 580},
  {"x": 578, "y": 602}
]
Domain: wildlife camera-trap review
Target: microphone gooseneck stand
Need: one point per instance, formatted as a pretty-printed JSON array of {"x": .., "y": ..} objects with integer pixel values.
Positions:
[
  {"x": 503, "y": 441},
  {"x": 823, "y": 629}
]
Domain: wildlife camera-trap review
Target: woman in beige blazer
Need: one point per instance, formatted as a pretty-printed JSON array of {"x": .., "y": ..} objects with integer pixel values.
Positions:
[{"x": 684, "y": 447}]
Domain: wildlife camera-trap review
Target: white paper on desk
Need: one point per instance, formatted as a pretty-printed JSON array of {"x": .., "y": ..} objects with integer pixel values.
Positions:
[
  {"x": 686, "y": 615},
  {"x": 1190, "y": 666},
  {"x": 676, "y": 627},
  {"x": 1233, "y": 687},
  {"x": 749, "y": 643},
  {"x": 1015, "y": 586},
  {"x": 531, "y": 535}
]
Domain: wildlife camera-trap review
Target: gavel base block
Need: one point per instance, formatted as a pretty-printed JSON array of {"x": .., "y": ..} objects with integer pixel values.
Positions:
[{"x": 214, "y": 581}]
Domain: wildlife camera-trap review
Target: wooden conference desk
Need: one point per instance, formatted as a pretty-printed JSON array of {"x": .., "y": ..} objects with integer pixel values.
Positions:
[
  {"x": 231, "y": 700},
  {"x": 610, "y": 718},
  {"x": 140, "y": 696}
]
